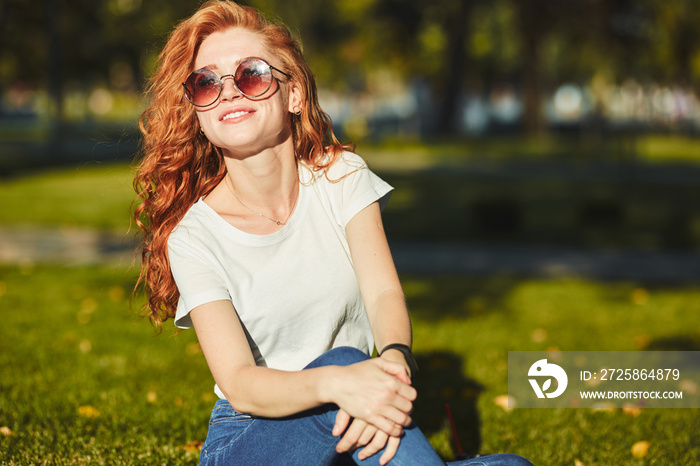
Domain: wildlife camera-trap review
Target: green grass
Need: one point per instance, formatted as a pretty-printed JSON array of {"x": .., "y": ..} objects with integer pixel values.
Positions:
[
  {"x": 90, "y": 195},
  {"x": 83, "y": 380},
  {"x": 410, "y": 154},
  {"x": 444, "y": 205}
]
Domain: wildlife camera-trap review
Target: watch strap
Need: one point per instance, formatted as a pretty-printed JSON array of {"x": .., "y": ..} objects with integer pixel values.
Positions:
[{"x": 407, "y": 354}]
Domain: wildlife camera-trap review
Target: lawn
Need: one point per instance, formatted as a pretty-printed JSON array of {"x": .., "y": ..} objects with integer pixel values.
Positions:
[
  {"x": 90, "y": 195},
  {"x": 83, "y": 380}
]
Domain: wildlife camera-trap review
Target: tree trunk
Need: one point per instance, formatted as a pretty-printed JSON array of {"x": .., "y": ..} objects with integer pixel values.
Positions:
[
  {"x": 455, "y": 66},
  {"x": 54, "y": 73},
  {"x": 532, "y": 22}
]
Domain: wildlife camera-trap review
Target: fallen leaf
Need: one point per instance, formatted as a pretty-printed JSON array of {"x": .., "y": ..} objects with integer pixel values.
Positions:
[
  {"x": 88, "y": 411},
  {"x": 603, "y": 406},
  {"x": 639, "y": 296},
  {"x": 506, "y": 402},
  {"x": 6, "y": 431},
  {"x": 194, "y": 446},
  {"x": 631, "y": 409},
  {"x": 539, "y": 335},
  {"x": 640, "y": 449},
  {"x": 642, "y": 341},
  {"x": 116, "y": 293},
  {"x": 85, "y": 346},
  {"x": 193, "y": 349},
  {"x": 88, "y": 305},
  {"x": 688, "y": 386}
]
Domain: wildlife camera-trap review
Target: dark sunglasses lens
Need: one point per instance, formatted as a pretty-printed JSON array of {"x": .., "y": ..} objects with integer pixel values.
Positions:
[
  {"x": 202, "y": 88},
  {"x": 253, "y": 77}
]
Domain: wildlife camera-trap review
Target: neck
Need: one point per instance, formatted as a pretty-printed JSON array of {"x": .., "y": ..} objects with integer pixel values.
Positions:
[{"x": 267, "y": 180}]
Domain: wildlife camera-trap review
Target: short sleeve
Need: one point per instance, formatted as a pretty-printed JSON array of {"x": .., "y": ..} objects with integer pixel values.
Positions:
[
  {"x": 353, "y": 186},
  {"x": 196, "y": 278}
]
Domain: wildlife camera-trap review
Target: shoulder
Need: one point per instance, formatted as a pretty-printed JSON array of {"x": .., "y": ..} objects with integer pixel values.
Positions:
[
  {"x": 345, "y": 164},
  {"x": 191, "y": 227}
]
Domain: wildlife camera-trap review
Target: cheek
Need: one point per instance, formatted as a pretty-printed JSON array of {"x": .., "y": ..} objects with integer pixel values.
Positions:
[{"x": 203, "y": 122}]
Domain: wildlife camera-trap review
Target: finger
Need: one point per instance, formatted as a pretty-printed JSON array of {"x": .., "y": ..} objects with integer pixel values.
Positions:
[
  {"x": 396, "y": 416},
  {"x": 404, "y": 377},
  {"x": 367, "y": 435},
  {"x": 342, "y": 419},
  {"x": 386, "y": 425},
  {"x": 377, "y": 443},
  {"x": 390, "y": 367},
  {"x": 406, "y": 391},
  {"x": 392, "y": 446},
  {"x": 400, "y": 403},
  {"x": 351, "y": 436}
]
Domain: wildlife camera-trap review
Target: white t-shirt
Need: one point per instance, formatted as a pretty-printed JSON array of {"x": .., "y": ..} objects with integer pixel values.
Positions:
[{"x": 295, "y": 290}]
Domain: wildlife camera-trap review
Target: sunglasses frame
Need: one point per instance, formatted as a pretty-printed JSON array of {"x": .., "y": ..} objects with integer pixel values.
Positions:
[{"x": 235, "y": 84}]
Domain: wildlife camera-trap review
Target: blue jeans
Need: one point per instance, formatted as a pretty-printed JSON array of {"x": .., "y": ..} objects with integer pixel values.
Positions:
[{"x": 305, "y": 439}]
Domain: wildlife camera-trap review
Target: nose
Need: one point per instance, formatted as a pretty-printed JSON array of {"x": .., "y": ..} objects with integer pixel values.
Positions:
[{"x": 229, "y": 91}]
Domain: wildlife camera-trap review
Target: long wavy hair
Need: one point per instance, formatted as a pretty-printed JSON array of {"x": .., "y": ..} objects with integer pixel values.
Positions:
[{"x": 179, "y": 165}]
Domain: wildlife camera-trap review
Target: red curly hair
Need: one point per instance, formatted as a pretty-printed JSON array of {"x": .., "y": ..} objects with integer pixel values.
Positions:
[{"x": 179, "y": 165}]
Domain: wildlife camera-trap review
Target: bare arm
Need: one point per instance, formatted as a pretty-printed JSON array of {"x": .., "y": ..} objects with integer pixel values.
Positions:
[
  {"x": 379, "y": 282},
  {"x": 368, "y": 390},
  {"x": 388, "y": 316}
]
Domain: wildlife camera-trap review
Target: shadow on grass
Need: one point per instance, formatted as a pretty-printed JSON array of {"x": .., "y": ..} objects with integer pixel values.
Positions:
[
  {"x": 540, "y": 203},
  {"x": 675, "y": 343},
  {"x": 438, "y": 298},
  {"x": 440, "y": 382}
]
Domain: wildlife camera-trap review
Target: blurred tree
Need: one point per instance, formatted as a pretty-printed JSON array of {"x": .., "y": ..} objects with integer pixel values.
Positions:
[{"x": 452, "y": 45}]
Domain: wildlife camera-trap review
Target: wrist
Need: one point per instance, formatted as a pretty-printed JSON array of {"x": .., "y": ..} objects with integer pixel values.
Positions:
[
  {"x": 326, "y": 384},
  {"x": 401, "y": 353}
]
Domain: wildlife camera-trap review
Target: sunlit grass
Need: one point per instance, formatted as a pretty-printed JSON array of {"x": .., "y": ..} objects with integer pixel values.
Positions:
[
  {"x": 669, "y": 148},
  {"x": 89, "y": 195},
  {"x": 475, "y": 322},
  {"x": 410, "y": 154},
  {"x": 83, "y": 380}
]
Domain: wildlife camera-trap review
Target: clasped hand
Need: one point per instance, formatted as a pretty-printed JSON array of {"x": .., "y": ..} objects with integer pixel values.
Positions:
[{"x": 378, "y": 395}]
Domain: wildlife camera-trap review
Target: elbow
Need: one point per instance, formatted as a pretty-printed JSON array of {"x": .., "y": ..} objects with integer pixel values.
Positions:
[
  {"x": 235, "y": 394},
  {"x": 238, "y": 402}
]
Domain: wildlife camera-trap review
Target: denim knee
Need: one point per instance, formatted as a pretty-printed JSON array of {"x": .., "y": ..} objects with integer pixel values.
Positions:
[
  {"x": 341, "y": 356},
  {"x": 502, "y": 459}
]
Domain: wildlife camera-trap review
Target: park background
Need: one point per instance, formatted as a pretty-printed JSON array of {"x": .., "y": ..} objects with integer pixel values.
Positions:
[{"x": 546, "y": 163}]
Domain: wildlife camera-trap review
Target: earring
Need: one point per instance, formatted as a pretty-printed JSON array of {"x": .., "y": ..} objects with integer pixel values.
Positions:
[{"x": 297, "y": 110}]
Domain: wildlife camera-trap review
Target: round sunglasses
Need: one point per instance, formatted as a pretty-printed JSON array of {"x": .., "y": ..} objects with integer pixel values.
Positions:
[{"x": 252, "y": 78}]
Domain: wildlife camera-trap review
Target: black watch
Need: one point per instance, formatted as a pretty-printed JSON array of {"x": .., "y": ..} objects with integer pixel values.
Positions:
[{"x": 407, "y": 354}]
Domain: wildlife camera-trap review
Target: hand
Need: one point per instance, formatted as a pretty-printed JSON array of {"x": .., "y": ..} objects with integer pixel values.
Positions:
[
  {"x": 397, "y": 356},
  {"x": 375, "y": 391},
  {"x": 359, "y": 434}
]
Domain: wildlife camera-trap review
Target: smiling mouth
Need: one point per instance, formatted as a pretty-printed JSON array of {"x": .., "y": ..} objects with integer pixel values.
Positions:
[{"x": 228, "y": 116}]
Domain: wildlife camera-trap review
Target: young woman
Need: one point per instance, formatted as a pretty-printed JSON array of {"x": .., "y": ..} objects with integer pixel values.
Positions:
[{"x": 264, "y": 234}]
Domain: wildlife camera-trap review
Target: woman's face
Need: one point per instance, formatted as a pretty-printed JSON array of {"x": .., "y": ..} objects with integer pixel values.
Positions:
[{"x": 235, "y": 123}]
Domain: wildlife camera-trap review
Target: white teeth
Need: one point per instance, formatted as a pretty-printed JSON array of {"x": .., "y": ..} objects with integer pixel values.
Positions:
[{"x": 233, "y": 115}]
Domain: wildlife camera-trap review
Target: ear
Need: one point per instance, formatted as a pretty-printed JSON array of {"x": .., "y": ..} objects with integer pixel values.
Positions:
[{"x": 295, "y": 98}]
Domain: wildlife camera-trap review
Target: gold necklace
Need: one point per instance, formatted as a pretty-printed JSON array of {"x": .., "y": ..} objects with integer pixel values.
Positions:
[{"x": 230, "y": 186}]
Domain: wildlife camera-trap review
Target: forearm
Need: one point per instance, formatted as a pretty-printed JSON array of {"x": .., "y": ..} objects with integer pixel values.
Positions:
[
  {"x": 389, "y": 319},
  {"x": 274, "y": 393},
  {"x": 373, "y": 390}
]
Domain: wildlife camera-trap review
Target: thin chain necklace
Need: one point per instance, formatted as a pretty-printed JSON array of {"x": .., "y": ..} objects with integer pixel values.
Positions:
[{"x": 230, "y": 186}]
